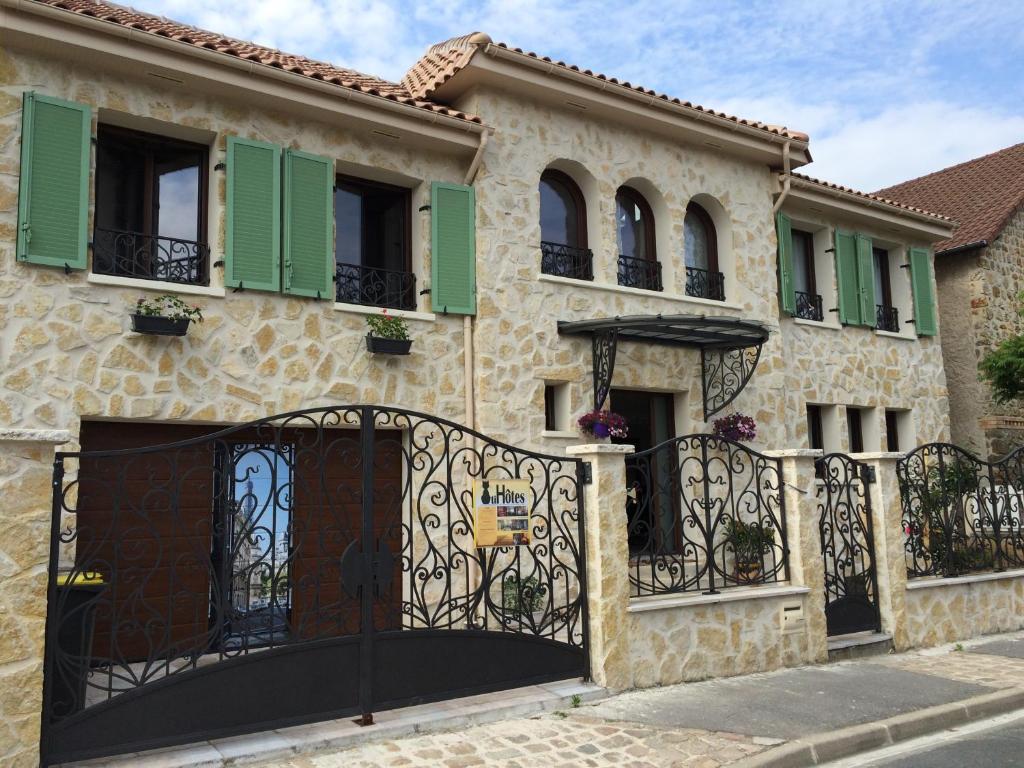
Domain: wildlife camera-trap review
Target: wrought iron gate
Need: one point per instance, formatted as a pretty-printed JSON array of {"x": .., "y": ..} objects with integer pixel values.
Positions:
[
  {"x": 847, "y": 545},
  {"x": 312, "y": 565}
]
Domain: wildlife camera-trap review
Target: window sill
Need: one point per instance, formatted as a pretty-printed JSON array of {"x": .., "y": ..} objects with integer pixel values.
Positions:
[
  {"x": 561, "y": 434},
  {"x": 940, "y": 581},
  {"x": 727, "y": 595},
  {"x": 637, "y": 292},
  {"x": 405, "y": 314},
  {"x": 817, "y": 324},
  {"x": 155, "y": 285},
  {"x": 891, "y": 335}
]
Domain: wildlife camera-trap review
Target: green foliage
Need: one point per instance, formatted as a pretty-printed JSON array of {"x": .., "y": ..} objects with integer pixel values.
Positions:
[
  {"x": 576, "y": 700},
  {"x": 521, "y": 596},
  {"x": 385, "y": 326},
  {"x": 168, "y": 306},
  {"x": 1003, "y": 367},
  {"x": 749, "y": 540}
]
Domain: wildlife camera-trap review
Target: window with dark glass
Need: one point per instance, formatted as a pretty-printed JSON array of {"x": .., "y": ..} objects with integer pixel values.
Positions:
[
  {"x": 700, "y": 243},
  {"x": 815, "y": 434},
  {"x": 150, "y": 207},
  {"x": 563, "y": 228},
  {"x": 808, "y": 301},
  {"x": 892, "y": 430},
  {"x": 634, "y": 228},
  {"x": 550, "y": 408},
  {"x": 372, "y": 244},
  {"x": 887, "y": 316},
  {"x": 855, "y": 429}
]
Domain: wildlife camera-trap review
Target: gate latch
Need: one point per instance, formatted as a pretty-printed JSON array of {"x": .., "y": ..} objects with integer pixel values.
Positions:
[
  {"x": 867, "y": 473},
  {"x": 381, "y": 565}
]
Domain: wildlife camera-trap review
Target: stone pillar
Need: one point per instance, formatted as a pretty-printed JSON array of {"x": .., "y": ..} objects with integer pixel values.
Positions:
[
  {"x": 890, "y": 553},
  {"x": 607, "y": 553},
  {"x": 26, "y": 472},
  {"x": 806, "y": 566}
]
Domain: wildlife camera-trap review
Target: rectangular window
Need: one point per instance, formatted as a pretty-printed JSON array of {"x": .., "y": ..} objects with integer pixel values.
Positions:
[
  {"x": 372, "y": 244},
  {"x": 887, "y": 315},
  {"x": 855, "y": 428},
  {"x": 150, "y": 207},
  {"x": 808, "y": 301},
  {"x": 815, "y": 432},
  {"x": 556, "y": 407},
  {"x": 892, "y": 431}
]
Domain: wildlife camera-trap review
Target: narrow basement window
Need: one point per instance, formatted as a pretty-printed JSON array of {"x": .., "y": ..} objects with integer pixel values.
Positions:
[{"x": 556, "y": 407}]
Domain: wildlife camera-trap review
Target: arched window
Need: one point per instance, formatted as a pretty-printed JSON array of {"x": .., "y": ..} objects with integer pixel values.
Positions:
[
  {"x": 700, "y": 243},
  {"x": 563, "y": 228},
  {"x": 634, "y": 227}
]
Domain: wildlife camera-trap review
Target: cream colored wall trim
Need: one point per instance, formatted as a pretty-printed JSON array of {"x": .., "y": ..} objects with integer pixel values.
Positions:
[
  {"x": 731, "y": 595},
  {"x": 405, "y": 314},
  {"x": 692, "y": 301},
  {"x": 38, "y": 24},
  {"x": 51, "y": 436},
  {"x": 900, "y": 336},
  {"x": 952, "y": 581},
  {"x": 816, "y": 324},
  {"x": 155, "y": 285},
  {"x": 560, "y": 434}
]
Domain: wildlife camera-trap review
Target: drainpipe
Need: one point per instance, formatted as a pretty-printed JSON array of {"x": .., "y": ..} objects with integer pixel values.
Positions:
[
  {"x": 786, "y": 179},
  {"x": 469, "y": 362}
]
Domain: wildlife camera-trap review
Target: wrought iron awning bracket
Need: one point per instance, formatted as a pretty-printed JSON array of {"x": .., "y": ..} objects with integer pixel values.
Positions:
[
  {"x": 724, "y": 373},
  {"x": 604, "y": 344}
]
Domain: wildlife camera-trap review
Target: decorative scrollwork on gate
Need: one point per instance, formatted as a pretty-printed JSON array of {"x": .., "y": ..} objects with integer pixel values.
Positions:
[{"x": 724, "y": 374}]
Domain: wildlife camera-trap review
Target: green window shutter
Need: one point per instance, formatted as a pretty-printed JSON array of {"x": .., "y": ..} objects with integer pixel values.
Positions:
[
  {"x": 308, "y": 225},
  {"x": 924, "y": 292},
  {"x": 453, "y": 249},
  {"x": 866, "y": 281},
  {"x": 846, "y": 278},
  {"x": 252, "y": 256},
  {"x": 784, "y": 233},
  {"x": 53, "y": 197}
]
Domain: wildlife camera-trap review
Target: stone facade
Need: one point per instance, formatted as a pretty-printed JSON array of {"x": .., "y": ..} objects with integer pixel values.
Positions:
[
  {"x": 979, "y": 307},
  {"x": 946, "y": 610}
]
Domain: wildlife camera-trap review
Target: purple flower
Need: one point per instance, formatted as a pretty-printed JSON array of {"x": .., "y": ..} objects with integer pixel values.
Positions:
[{"x": 735, "y": 427}]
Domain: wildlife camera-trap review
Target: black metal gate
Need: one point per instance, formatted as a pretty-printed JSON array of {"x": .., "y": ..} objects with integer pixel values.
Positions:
[
  {"x": 308, "y": 566},
  {"x": 847, "y": 545}
]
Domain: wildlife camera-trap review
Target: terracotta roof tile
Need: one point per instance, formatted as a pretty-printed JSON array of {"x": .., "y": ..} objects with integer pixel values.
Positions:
[
  {"x": 877, "y": 198},
  {"x": 317, "y": 70},
  {"x": 443, "y": 60},
  {"x": 982, "y": 194}
]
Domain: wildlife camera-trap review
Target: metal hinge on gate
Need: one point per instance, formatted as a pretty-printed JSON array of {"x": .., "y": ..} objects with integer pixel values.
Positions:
[
  {"x": 867, "y": 473},
  {"x": 586, "y": 474}
]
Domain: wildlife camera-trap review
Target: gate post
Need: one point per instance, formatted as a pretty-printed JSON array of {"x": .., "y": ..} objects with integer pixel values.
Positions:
[
  {"x": 806, "y": 564},
  {"x": 890, "y": 552},
  {"x": 26, "y": 472},
  {"x": 607, "y": 554}
]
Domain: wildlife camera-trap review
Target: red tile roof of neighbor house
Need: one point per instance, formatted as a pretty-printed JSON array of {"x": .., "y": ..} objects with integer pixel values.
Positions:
[
  {"x": 982, "y": 194},
  {"x": 317, "y": 70},
  {"x": 444, "y": 60},
  {"x": 873, "y": 197}
]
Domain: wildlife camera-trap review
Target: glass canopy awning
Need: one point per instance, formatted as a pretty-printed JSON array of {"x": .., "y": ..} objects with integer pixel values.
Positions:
[{"x": 729, "y": 349}]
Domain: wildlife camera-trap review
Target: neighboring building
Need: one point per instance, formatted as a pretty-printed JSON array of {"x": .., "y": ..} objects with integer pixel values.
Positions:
[
  {"x": 557, "y": 241},
  {"x": 980, "y": 274}
]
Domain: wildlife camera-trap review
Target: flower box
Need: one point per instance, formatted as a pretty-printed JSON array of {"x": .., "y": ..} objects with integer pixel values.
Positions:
[
  {"x": 155, "y": 325},
  {"x": 381, "y": 346}
]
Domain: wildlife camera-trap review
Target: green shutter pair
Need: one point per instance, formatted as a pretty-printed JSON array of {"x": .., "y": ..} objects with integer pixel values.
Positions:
[{"x": 279, "y": 233}]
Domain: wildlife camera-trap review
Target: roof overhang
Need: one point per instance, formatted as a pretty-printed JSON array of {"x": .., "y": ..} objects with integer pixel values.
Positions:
[
  {"x": 729, "y": 349},
  {"x": 838, "y": 204},
  {"x": 499, "y": 67},
  {"x": 93, "y": 43}
]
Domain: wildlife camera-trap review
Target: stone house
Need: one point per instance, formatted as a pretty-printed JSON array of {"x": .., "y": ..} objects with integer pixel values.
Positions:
[
  {"x": 556, "y": 240},
  {"x": 980, "y": 274}
]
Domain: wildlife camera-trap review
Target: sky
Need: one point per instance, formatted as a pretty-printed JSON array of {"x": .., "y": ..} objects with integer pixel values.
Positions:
[{"x": 887, "y": 89}]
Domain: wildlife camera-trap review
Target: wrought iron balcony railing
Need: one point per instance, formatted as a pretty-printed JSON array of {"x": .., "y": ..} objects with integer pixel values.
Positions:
[
  {"x": 808, "y": 306},
  {"x": 705, "y": 284},
  {"x": 887, "y": 318},
  {"x": 566, "y": 261},
  {"x": 639, "y": 273},
  {"x": 149, "y": 257},
  {"x": 375, "y": 287}
]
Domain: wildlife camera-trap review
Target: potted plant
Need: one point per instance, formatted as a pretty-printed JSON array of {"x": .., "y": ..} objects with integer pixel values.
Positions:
[
  {"x": 736, "y": 427},
  {"x": 521, "y": 597},
  {"x": 603, "y": 424},
  {"x": 164, "y": 315},
  {"x": 750, "y": 542},
  {"x": 389, "y": 335}
]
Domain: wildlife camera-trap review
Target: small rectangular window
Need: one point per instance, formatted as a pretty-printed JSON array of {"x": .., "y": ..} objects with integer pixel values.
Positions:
[
  {"x": 815, "y": 433},
  {"x": 150, "y": 207},
  {"x": 855, "y": 428},
  {"x": 556, "y": 407},
  {"x": 892, "y": 431},
  {"x": 372, "y": 244}
]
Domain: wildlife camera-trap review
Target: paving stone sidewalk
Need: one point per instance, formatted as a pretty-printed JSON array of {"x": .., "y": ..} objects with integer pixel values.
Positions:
[{"x": 703, "y": 725}]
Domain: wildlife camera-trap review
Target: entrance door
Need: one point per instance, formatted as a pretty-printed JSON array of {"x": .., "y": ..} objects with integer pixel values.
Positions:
[
  {"x": 847, "y": 546},
  {"x": 304, "y": 567},
  {"x": 651, "y": 420}
]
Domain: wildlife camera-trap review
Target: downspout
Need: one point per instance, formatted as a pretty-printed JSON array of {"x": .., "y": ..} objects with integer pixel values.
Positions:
[
  {"x": 787, "y": 179},
  {"x": 468, "y": 329}
]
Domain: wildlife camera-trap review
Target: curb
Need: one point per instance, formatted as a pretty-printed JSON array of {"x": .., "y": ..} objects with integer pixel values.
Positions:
[{"x": 825, "y": 747}]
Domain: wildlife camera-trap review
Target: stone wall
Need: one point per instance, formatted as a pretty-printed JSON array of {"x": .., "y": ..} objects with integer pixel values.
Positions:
[{"x": 946, "y": 610}]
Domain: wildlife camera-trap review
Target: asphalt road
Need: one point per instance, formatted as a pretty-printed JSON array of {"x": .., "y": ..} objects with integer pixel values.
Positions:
[{"x": 999, "y": 747}]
